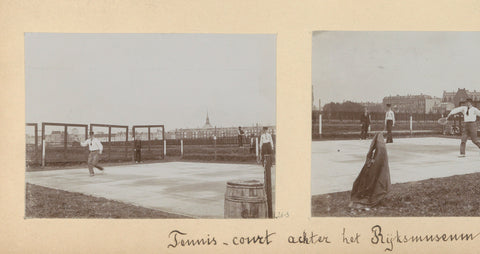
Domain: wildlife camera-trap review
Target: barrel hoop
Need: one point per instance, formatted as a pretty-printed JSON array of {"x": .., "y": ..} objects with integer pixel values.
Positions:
[{"x": 246, "y": 200}]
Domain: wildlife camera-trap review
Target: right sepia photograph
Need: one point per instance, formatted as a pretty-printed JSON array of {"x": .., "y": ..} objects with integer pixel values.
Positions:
[{"x": 395, "y": 124}]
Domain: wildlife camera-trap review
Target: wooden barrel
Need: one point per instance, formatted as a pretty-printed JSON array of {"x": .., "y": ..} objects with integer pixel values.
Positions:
[{"x": 245, "y": 199}]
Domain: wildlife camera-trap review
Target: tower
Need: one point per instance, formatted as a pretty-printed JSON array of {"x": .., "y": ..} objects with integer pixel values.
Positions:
[{"x": 207, "y": 123}]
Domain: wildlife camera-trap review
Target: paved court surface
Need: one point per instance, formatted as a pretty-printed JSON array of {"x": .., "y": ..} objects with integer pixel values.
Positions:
[
  {"x": 192, "y": 189},
  {"x": 410, "y": 159}
]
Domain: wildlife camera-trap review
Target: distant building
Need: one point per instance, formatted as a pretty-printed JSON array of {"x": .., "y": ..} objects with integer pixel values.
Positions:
[
  {"x": 460, "y": 96},
  {"x": 408, "y": 103},
  {"x": 208, "y": 131},
  {"x": 373, "y": 106},
  {"x": 433, "y": 105},
  {"x": 442, "y": 108},
  {"x": 55, "y": 137}
]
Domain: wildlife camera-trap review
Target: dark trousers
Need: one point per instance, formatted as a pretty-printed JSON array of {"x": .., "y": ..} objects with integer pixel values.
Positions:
[
  {"x": 240, "y": 140},
  {"x": 389, "y": 131},
  {"x": 267, "y": 149},
  {"x": 93, "y": 158},
  {"x": 470, "y": 130},
  {"x": 138, "y": 155},
  {"x": 363, "y": 134}
]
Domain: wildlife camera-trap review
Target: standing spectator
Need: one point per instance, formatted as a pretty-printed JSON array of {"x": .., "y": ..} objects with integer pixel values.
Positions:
[
  {"x": 138, "y": 150},
  {"x": 266, "y": 142},
  {"x": 365, "y": 120},
  {"x": 389, "y": 123},
  {"x": 241, "y": 134},
  {"x": 96, "y": 148}
]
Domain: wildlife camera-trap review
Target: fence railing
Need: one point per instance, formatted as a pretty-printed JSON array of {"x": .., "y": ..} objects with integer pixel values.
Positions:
[
  {"x": 325, "y": 124},
  {"x": 59, "y": 143}
]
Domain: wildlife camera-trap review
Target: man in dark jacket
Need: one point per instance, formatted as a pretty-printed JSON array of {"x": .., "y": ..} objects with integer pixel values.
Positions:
[
  {"x": 365, "y": 120},
  {"x": 138, "y": 150},
  {"x": 241, "y": 134}
]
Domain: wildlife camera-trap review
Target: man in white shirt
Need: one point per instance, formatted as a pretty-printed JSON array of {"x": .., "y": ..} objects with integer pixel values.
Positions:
[
  {"x": 389, "y": 123},
  {"x": 96, "y": 148},
  {"x": 470, "y": 114},
  {"x": 266, "y": 142}
]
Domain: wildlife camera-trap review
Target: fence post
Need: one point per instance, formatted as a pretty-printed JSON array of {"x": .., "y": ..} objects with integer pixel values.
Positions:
[
  {"x": 256, "y": 147},
  {"x": 411, "y": 124},
  {"x": 65, "y": 139},
  {"x": 215, "y": 142},
  {"x": 268, "y": 184},
  {"x": 43, "y": 152},
  {"x": 215, "y": 147},
  {"x": 181, "y": 147},
  {"x": 320, "y": 123},
  {"x": 126, "y": 143},
  {"x": 164, "y": 148},
  {"x": 109, "y": 142}
]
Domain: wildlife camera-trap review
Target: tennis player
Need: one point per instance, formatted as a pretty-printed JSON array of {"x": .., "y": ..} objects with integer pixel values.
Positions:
[
  {"x": 96, "y": 148},
  {"x": 470, "y": 114}
]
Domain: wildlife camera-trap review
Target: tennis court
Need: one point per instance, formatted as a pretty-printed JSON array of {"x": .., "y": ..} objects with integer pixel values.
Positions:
[
  {"x": 336, "y": 164},
  {"x": 186, "y": 188}
]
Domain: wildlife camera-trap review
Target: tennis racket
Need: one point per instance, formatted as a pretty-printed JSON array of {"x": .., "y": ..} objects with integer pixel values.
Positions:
[{"x": 442, "y": 121}]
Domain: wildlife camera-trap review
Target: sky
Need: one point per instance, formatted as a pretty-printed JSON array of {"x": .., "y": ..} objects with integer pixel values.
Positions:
[
  {"x": 367, "y": 66},
  {"x": 137, "y": 79}
]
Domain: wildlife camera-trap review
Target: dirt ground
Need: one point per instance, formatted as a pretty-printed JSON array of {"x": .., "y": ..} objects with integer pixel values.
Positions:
[
  {"x": 457, "y": 195},
  {"x": 42, "y": 202}
]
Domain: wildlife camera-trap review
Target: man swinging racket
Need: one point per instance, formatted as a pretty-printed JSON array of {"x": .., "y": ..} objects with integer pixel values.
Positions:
[
  {"x": 96, "y": 148},
  {"x": 470, "y": 114}
]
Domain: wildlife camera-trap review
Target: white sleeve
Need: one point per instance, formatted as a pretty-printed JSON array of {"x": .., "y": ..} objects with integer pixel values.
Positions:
[
  {"x": 84, "y": 143},
  {"x": 261, "y": 141},
  {"x": 100, "y": 146},
  {"x": 477, "y": 111},
  {"x": 456, "y": 110}
]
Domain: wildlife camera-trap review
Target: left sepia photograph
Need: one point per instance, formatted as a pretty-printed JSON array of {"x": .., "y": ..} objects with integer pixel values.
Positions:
[{"x": 150, "y": 125}]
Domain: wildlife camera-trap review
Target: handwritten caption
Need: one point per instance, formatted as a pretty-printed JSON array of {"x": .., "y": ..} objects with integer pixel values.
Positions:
[{"x": 377, "y": 237}]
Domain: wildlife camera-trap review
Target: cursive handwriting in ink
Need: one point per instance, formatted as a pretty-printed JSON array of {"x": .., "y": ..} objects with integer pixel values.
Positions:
[
  {"x": 380, "y": 238},
  {"x": 350, "y": 239},
  {"x": 179, "y": 241},
  {"x": 257, "y": 239},
  {"x": 308, "y": 239}
]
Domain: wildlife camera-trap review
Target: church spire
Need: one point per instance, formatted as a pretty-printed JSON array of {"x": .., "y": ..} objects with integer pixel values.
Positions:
[{"x": 207, "y": 122}]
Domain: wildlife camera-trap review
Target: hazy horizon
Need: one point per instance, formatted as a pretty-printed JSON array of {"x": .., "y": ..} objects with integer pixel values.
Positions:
[
  {"x": 140, "y": 79},
  {"x": 365, "y": 66}
]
